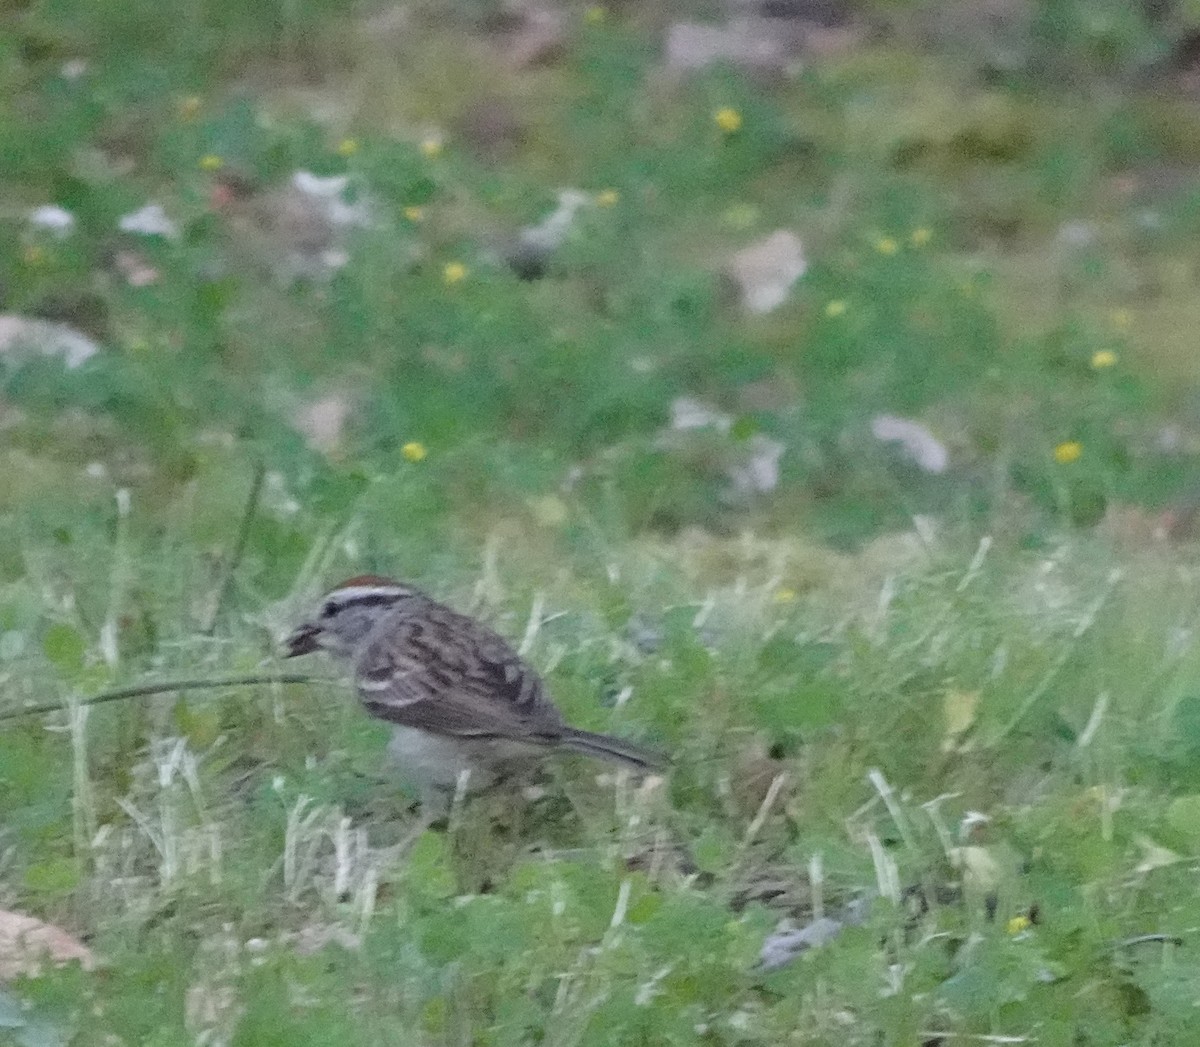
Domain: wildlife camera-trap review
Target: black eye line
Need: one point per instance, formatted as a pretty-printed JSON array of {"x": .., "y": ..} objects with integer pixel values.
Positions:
[{"x": 376, "y": 600}]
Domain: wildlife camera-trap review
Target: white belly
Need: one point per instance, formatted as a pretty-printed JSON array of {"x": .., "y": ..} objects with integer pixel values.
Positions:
[{"x": 434, "y": 761}]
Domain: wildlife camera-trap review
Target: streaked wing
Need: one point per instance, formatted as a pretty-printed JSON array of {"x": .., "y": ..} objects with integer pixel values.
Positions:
[{"x": 440, "y": 671}]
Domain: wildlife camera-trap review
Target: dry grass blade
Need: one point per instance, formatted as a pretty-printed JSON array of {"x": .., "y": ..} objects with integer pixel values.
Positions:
[{"x": 165, "y": 687}]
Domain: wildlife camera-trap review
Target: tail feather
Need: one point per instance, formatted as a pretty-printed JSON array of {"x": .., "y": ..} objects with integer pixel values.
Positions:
[{"x": 606, "y": 747}]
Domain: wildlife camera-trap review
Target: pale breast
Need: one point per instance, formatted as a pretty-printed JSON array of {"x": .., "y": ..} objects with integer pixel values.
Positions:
[{"x": 437, "y": 760}]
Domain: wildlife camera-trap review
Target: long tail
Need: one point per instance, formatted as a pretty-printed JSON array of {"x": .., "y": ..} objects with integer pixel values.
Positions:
[{"x": 606, "y": 747}]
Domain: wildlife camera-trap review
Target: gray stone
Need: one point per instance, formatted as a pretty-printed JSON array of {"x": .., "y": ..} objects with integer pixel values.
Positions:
[
  {"x": 750, "y": 44},
  {"x": 917, "y": 442},
  {"x": 44, "y": 338},
  {"x": 765, "y": 271}
]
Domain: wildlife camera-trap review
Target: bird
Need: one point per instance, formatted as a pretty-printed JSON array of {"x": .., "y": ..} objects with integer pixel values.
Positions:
[{"x": 463, "y": 705}]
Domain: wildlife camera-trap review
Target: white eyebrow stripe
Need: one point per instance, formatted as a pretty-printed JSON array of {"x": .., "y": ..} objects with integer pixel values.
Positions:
[{"x": 366, "y": 592}]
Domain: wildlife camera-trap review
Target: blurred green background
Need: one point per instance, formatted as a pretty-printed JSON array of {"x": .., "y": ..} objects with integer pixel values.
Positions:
[{"x": 811, "y": 383}]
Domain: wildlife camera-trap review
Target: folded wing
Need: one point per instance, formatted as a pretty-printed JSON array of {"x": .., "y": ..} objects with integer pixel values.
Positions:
[{"x": 420, "y": 671}]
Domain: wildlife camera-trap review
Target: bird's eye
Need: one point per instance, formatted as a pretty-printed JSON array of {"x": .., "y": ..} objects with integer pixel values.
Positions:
[{"x": 329, "y": 610}]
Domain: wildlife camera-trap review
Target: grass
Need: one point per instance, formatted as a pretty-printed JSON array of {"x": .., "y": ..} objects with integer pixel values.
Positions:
[{"x": 848, "y": 669}]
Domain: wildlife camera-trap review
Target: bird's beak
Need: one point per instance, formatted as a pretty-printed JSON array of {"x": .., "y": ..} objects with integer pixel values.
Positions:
[{"x": 303, "y": 640}]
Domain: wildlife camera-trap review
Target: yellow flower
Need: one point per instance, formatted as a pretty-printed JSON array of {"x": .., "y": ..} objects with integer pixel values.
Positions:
[
  {"x": 1068, "y": 452},
  {"x": 595, "y": 15},
  {"x": 189, "y": 108},
  {"x": 454, "y": 272},
  {"x": 835, "y": 308},
  {"x": 607, "y": 198},
  {"x": 886, "y": 245},
  {"x": 414, "y": 214},
  {"x": 1122, "y": 319},
  {"x": 431, "y": 147},
  {"x": 1103, "y": 358},
  {"x": 1018, "y": 924},
  {"x": 921, "y": 236},
  {"x": 414, "y": 450},
  {"x": 728, "y": 119},
  {"x": 785, "y": 595},
  {"x": 211, "y": 162},
  {"x": 347, "y": 147}
]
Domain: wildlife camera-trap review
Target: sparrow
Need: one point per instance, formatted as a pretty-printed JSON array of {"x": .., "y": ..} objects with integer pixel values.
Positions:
[{"x": 461, "y": 701}]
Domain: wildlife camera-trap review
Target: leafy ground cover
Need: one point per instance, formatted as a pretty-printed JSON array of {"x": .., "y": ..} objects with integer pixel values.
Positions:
[{"x": 961, "y": 702}]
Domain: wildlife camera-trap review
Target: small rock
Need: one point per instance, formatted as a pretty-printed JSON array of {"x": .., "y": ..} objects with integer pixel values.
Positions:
[
  {"x": 782, "y": 947},
  {"x": 326, "y": 197},
  {"x": 917, "y": 442},
  {"x": 758, "y": 471},
  {"x": 150, "y": 220},
  {"x": 46, "y": 338},
  {"x": 52, "y": 218},
  {"x": 765, "y": 271},
  {"x": 322, "y": 422},
  {"x": 750, "y": 44},
  {"x": 687, "y": 413},
  {"x": 26, "y": 943}
]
